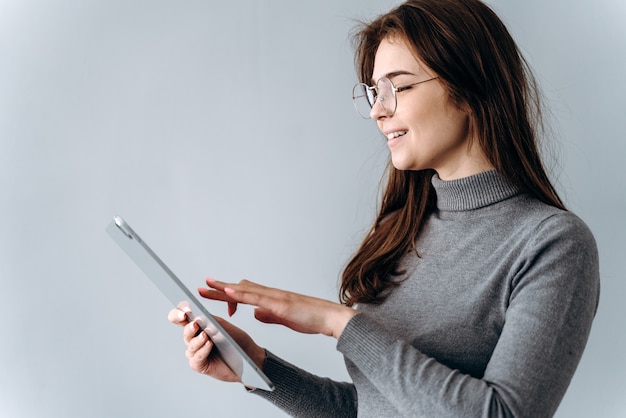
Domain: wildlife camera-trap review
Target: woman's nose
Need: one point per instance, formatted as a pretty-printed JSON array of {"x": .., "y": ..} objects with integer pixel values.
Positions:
[{"x": 378, "y": 111}]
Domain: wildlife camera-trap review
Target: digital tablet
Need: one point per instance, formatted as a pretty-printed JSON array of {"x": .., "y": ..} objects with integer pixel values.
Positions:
[{"x": 177, "y": 292}]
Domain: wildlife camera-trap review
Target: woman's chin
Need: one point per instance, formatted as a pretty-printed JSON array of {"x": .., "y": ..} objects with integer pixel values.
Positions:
[{"x": 404, "y": 165}]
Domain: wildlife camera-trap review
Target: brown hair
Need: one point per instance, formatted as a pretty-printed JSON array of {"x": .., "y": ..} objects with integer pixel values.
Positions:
[{"x": 476, "y": 59}]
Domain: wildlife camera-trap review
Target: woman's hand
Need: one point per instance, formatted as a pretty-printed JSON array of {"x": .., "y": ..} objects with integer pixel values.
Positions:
[
  {"x": 274, "y": 306},
  {"x": 202, "y": 358}
]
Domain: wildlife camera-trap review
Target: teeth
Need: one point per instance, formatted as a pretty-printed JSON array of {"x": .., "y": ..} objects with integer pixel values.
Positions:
[{"x": 393, "y": 135}]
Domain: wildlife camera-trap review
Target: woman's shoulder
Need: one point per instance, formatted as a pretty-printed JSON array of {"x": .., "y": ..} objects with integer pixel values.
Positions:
[
  {"x": 539, "y": 227},
  {"x": 546, "y": 216},
  {"x": 554, "y": 229}
]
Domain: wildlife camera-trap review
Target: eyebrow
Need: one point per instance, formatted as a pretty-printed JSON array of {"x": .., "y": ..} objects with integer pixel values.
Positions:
[{"x": 392, "y": 75}]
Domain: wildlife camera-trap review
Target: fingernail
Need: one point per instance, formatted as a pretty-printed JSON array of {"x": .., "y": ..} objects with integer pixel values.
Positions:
[{"x": 181, "y": 316}]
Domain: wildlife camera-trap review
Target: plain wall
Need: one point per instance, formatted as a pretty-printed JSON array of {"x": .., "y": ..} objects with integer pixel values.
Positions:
[{"x": 225, "y": 134}]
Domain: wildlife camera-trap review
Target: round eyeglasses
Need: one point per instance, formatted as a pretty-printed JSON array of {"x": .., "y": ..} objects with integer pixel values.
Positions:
[{"x": 384, "y": 92}]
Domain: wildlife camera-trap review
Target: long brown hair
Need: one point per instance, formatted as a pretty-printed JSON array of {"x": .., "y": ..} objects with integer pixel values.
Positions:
[{"x": 478, "y": 62}]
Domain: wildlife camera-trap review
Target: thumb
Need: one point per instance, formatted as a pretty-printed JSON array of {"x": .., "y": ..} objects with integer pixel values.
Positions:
[{"x": 266, "y": 316}]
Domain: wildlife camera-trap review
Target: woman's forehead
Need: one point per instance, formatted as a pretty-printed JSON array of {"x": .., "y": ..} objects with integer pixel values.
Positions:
[{"x": 395, "y": 57}]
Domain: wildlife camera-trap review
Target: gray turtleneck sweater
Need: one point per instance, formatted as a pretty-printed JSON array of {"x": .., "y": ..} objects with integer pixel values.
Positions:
[{"x": 489, "y": 321}]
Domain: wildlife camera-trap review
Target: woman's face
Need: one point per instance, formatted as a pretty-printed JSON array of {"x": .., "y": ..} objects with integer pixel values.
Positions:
[{"x": 427, "y": 130}]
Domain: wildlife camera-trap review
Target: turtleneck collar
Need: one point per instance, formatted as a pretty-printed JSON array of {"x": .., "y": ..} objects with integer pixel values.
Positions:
[{"x": 473, "y": 192}]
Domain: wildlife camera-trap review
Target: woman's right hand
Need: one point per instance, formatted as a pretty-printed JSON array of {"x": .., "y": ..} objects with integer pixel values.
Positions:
[{"x": 202, "y": 357}]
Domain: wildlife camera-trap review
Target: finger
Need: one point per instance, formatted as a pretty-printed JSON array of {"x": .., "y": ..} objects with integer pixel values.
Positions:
[
  {"x": 221, "y": 296},
  {"x": 199, "y": 358},
  {"x": 214, "y": 294},
  {"x": 190, "y": 331},
  {"x": 178, "y": 317},
  {"x": 214, "y": 283},
  {"x": 249, "y": 293},
  {"x": 196, "y": 343},
  {"x": 245, "y": 296},
  {"x": 244, "y": 284},
  {"x": 232, "y": 308}
]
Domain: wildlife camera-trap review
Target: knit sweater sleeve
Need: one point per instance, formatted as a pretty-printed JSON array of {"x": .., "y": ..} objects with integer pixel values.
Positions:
[
  {"x": 302, "y": 394},
  {"x": 552, "y": 302}
]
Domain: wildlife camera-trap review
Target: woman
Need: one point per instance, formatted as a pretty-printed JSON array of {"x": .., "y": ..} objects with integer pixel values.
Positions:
[{"x": 474, "y": 292}]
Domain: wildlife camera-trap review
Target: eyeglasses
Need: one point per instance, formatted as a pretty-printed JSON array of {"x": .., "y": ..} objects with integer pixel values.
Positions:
[{"x": 384, "y": 91}]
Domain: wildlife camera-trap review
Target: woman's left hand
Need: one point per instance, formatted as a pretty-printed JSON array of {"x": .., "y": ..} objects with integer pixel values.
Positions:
[{"x": 301, "y": 313}]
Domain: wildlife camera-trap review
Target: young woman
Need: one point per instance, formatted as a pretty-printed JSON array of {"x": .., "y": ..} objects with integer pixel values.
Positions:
[{"x": 474, "y": 292}]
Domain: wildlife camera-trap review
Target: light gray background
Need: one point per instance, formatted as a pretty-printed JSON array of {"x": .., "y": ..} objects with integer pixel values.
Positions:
[{"x": 225, "y": 134}]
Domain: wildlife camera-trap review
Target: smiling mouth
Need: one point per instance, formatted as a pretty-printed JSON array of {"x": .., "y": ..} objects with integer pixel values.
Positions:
[{"x": 393, "y": 135}]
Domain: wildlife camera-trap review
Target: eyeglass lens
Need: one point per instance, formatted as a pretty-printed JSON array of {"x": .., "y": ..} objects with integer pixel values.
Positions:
[{"x": 364, "y": 97}]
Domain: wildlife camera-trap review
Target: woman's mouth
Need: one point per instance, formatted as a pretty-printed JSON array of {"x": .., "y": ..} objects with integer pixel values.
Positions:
[{"x": 396, "y": 134}]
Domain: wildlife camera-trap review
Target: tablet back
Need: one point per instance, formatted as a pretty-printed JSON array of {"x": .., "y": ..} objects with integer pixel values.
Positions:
[{"x": 178, "y": 293}]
